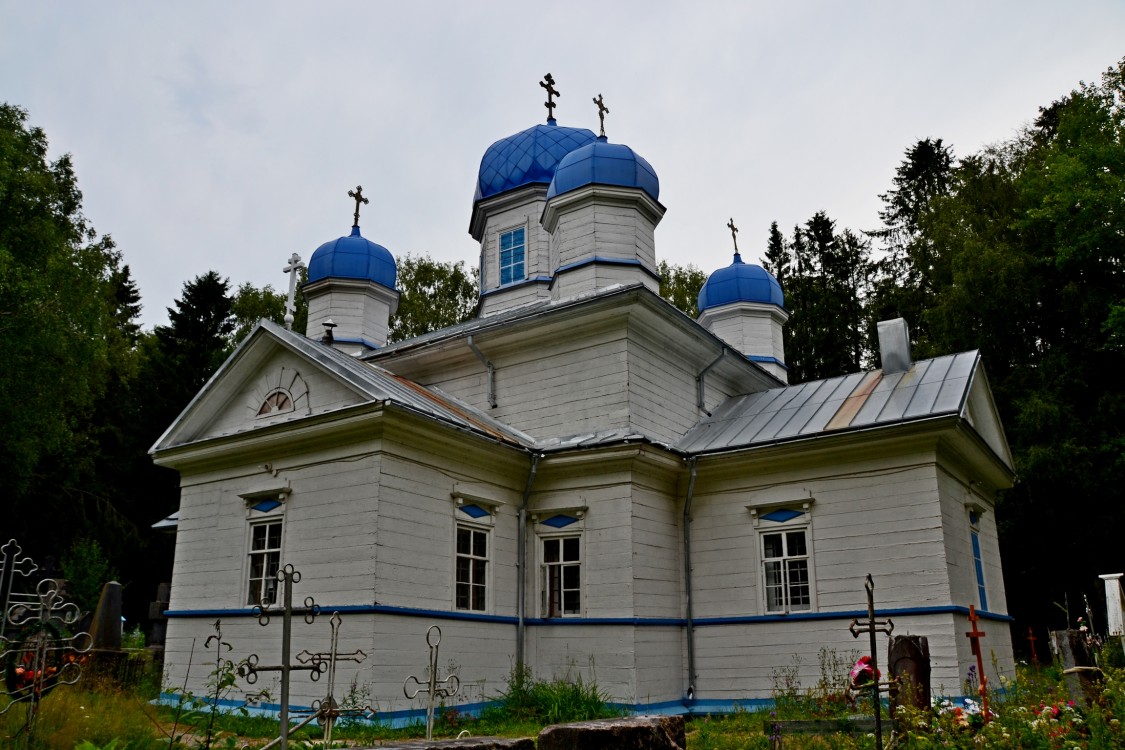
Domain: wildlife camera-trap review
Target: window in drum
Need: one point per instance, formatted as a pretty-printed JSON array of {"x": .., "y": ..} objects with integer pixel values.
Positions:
[
  {"x": 978, "y": 562},
  {"x": 562, "y": 577},
  {"x": 785, "y": 571},
  {"x": 471, "y": 587},
  {"x": 265, "y": 560},
  {"x": 512, "y": 254}
]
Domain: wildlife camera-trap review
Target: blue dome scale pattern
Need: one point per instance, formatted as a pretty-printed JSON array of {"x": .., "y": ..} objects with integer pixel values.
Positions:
[
  {"x": 740, "y": 282},
  {"x": 526, "y": 158}
]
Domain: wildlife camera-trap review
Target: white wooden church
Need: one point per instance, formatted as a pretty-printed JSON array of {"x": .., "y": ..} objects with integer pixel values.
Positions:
[{"x": 581, "y": 479}]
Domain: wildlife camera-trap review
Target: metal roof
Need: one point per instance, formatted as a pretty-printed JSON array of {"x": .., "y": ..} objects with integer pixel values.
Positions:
[{"x": 930, "y": 388}]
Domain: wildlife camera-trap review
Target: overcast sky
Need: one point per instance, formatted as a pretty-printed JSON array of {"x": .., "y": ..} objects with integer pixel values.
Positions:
[{"x": 225, "y": 135}]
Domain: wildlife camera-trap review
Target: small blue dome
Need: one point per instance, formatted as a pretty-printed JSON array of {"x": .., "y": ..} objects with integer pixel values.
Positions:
[
  {"x": 353, "y": 257},
  {"x": 526, "y": 158},
  {"x": 604, "y": 163},
  {"x": 740, "y": 282}
]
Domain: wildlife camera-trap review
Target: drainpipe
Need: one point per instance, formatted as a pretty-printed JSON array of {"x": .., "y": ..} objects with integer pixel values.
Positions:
[
  {"x": 491, "y": 372},
  {"x": 687, "y": 580},
  {"x": 521, "y": 559},
  {"x": 699, "y": 381}
]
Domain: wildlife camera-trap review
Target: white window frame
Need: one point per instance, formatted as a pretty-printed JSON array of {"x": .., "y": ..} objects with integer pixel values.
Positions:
[
  {"x": 801, "y": 522},
  {"x": 976, "y": 553},
  {"x": 500, "y": 256},
  {"x": 474, "y": 522},
  {"x": 485, "y": 560},
  {"x": 266, "y": 579},
  {"x": 785, "y": 564},
  {"x": 556, "y": 571},
  {"x": 277, "y": 495}
]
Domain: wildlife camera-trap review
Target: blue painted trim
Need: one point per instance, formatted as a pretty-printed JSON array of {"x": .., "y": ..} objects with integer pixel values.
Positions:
[
  {"x": 768, "y": 360},
  {"x": 473, "y": 511},
  {"x": 560, "y": 521},
  {"x": 363, "y": 341},
  {"x": 515, "y": 284},
  {"x": 608, "y": 262},
  {"x": 361, "y": 609},
  {"x": 265, "y": 506},
  {"x": 782, "y": 515}
]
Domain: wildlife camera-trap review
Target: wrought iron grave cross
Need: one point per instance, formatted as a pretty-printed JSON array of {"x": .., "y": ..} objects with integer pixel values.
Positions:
[
  {"x": 548, "y": 83},
  {"x": 327, "y": 710},
  {"x": 873, "y": 626},
  {"x": 434, "y": 688},
  {"x": 602, "y": 112},
  {"x": 13, "y": 563},
  {"x": 249, "y": 668},
  {"x": 294, "y": 268},
  {"x": 358, "y": 195},
  {"x": 974, "y": 637}
]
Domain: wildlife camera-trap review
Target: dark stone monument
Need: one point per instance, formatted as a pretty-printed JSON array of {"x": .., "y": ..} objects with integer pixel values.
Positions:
[
  {"x": 630, "y": 733},
  {"x": 468, "y": 743},
  {"x": 106, "y": 628},
  {"x": 909, "y": 664},
  {"x": 157, "y": 620}
]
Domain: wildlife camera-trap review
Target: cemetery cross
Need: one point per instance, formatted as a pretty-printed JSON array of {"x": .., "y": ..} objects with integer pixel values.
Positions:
[
  {"x": 434, "y": 687},
  {"x": 873, "y": 626}
]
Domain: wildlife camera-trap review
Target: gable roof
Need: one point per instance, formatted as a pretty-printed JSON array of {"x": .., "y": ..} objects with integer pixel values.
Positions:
[
  {"x": 929, "y": 389},
  {"x": 371, "y": 382}
]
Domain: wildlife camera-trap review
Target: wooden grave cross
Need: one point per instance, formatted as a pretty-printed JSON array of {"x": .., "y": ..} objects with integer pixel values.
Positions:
[
  {"x": 873, "y": 626},
  {"x": 434, "y": 688},
  {"x": 249, "y": 668},
  {"x": 974, "y": 637},
  {"x": 1031, "y": 639}
]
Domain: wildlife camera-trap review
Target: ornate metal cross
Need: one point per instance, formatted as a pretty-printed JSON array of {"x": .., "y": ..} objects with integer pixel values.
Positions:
[
  {"x": 733, "y": 234},
  {"x": 12, "y": 564},
  {"x": 249, "y": 668},
  {"x": 548, "y": 83},
  {"x": 434, "y": 688},
  {"x": 873, "y": 626},
  {"x": 293, "y": 269},
  {"x": 327, "y": 710},
  {"x": 602, "y": 112},
  {"x": 358, "y": 195},
  {"x": 43, "y": 658},
  {"x": 974, "y": 637}
]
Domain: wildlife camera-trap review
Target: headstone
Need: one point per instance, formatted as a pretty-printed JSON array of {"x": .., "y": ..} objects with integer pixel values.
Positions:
[
  {"x": 467, "y": 743},
  {"x": 157, "y": 620},
  {"x": 631, "y": 733},
  {"x": 1114, "y": 604},
  {"x": 106, "y": 628},
  {"x": 1082, "y": 677},
  {"x": 909, "y": 662}
]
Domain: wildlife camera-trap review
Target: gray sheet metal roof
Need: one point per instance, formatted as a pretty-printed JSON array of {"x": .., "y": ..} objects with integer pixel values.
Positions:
[
  {"x": 386, "y": 386},
  {"x": 931, "y": 388}
]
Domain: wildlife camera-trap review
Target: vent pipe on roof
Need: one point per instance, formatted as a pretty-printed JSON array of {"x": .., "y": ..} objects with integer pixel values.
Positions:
[{"x": 894, "y": 346}]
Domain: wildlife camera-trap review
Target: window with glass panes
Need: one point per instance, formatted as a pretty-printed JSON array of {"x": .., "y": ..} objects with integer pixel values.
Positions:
[
  {"x": 785, "y": 571},
  {"x": 562, "y": 577},
  {"x": 512, "y": 254},
  {"x": 472, "y": 568},
  {"x": 265, "y": 559}
]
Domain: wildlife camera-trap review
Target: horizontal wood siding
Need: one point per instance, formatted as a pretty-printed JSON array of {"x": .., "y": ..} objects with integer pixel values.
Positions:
[
  {"x": 603, "y": 654},
  {"x": 657, "y": 562}
]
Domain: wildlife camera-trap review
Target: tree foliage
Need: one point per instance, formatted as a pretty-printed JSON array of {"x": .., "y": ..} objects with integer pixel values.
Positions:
[
  {"x": 680, "y": 285},
  {"x": 433, "y": 295}
]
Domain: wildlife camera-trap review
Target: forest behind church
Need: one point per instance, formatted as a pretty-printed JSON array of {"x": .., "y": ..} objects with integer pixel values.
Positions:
[{"x": 1017, "y": 250}]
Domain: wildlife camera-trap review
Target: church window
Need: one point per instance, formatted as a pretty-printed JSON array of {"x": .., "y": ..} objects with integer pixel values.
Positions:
[
  {"x": 561, "y": 582},
  {"x": 265, "y": 560},
  {"x": 472, "y": 568},
  {"x": 785, "y": 570},
  {"x": 275, "y": 403},
  {"x": 513, "y": 246},
  {"x": 978, "y": 562}
]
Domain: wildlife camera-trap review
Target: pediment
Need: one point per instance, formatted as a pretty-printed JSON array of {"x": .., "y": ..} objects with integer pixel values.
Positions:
[
  {"x": 271, "y": 378},
  {"x": 981, "y": 413}
]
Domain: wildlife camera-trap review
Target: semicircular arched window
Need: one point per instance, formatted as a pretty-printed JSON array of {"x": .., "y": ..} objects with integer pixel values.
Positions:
[{"x": 275, "y": 403}]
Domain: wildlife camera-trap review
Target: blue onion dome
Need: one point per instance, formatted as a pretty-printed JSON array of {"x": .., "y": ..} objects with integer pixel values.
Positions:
[
  {"x": 604, "y": 163},
  {"x": 353, "y": 257},
  {"x": 527, "y": 158},
  {"x": 740, "y": 282}
]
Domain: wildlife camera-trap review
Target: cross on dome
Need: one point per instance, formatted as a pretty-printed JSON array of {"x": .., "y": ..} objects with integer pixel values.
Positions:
[
  {"x": 734, "y": 236},
  {"x": 358, "y": 195},
  {"x": 548, "y": 83},
  {"x": 602, "y": 112}
]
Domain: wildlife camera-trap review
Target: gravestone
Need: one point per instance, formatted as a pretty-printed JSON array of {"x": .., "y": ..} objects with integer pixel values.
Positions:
[
  {"x": 106, "y": 628},
  {"x": 909, "y": 662},
  {"x": 467, "y": 743},
  {"x": 157, "y": 620},
  {"x": 631, "y": 733}
]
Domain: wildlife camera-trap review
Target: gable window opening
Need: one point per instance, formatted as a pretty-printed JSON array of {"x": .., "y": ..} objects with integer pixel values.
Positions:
[
  {"x": 562, "y": 577},
  {"x": 265, "y": 561},
  {"x": 785, "y": 570},
  {"x": 276, "y": 402},
  {"x": 471, "y": 587},
  {"x": 512, "y": 253}
]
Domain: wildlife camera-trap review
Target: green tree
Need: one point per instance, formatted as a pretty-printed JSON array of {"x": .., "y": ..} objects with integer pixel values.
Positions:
[
  {"x": 432, "y": 295},
  {"x": 680, "y": 285},
  {"x": 251, "y": 304}
]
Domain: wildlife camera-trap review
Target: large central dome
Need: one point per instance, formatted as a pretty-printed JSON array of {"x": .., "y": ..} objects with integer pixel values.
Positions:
[{"x": 526, "y": 158}]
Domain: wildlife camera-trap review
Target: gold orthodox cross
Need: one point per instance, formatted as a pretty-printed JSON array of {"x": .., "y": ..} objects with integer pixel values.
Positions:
[
  {"x": 358, "y": 195},
  {"x": 602, "y": 112},
  {"x": 733, "y": 234},
  {"x": 548, "y": 83}
]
